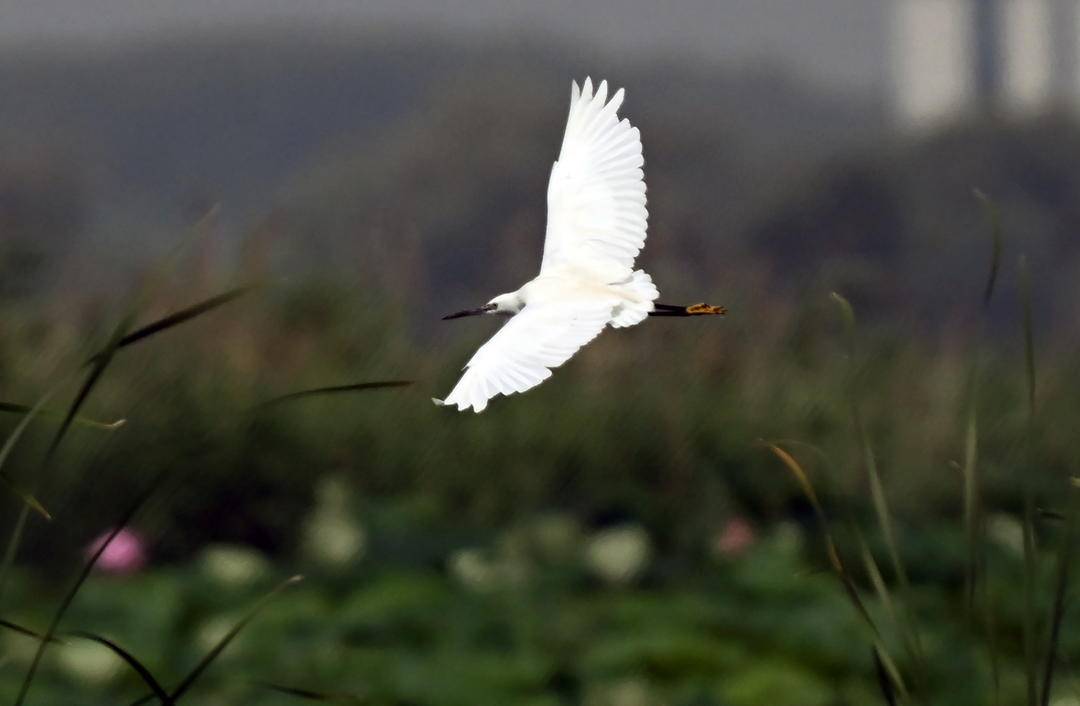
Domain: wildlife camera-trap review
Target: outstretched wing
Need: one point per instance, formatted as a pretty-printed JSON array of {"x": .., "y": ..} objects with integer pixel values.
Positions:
[
  {"x": 596, "y": 195},
  {"x": 520, "y": 356}
]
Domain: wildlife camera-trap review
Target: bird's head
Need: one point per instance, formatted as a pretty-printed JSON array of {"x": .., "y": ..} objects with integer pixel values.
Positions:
[{"x": 505, "y": 304}]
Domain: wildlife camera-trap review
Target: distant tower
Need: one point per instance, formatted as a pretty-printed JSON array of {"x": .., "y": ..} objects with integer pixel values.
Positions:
[
  {"x": 1027, "y": 56},
  {"x": 932, "y": 61},
  {"x": 1065, "y": 62},
  {"x": 951, "y": 57},
  {"x": 986, "y": 59}
]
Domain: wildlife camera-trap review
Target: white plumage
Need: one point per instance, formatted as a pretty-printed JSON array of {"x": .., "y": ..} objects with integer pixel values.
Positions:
[{"x": 595, "y": 230}]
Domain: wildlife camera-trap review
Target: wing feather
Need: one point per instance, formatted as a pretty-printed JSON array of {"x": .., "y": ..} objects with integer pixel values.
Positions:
[
  {"x": 522, "y": 353},
  {"x": 597, "y": 218}
]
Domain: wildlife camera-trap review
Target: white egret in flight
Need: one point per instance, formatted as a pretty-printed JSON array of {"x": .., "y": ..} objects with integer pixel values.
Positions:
[{"x": 595, "y": 229}]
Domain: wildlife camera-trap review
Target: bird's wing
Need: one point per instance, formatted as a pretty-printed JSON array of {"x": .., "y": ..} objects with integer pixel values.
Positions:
[
  {"x": 596, "y": 195},
  {"x": 520, "y": 356}
]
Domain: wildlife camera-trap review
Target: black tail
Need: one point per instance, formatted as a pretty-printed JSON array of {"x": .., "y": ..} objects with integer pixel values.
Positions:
[{"x": 692, "y": 310}]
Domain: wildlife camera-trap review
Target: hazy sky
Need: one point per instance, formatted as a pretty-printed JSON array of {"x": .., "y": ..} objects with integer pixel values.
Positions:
[{"x": 837, "y": 42}]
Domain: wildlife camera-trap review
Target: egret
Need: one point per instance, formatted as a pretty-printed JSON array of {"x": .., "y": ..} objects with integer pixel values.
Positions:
[{"x": 596, "y": 227}]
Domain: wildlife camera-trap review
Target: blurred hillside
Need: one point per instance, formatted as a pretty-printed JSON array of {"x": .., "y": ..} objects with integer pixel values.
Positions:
[{"x": 120, "y": 146}]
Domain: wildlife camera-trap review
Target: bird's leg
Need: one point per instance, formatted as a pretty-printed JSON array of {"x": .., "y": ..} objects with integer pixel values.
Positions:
[{"x": 692, "y": 310}]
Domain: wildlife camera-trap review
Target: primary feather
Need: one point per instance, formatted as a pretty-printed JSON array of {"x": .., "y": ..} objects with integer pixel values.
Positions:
[
  {"x": 596, "y": 194},
  {"x": 596, "y": 228}
]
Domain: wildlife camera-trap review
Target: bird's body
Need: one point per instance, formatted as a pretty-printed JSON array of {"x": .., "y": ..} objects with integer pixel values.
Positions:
[
  {"x": 629, "y": 298},
  {"x": 596, "y": 228}
]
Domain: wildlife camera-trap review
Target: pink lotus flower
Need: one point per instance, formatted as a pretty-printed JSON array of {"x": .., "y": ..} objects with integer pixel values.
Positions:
[
  {"x": 737, "y": 536},
  {"x": 125, "y": 554}
]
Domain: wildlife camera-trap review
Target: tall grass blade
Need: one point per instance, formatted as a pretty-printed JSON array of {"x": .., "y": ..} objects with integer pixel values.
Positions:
[
  {"x": 847, "y": 313},
  {"x": 25, "y": 496},
  {"x": 1061, "y": 587},
  {"x": 1030, "y": 628},
  {"x": 100, "y": 363},
  {"x": 16, "y": 408},
  {"x": 26, "y": 631},
  {"x": 206, "y": 661},
  {"x": 877, "y": 490},
  {"x": 138, "y": 667},
  {"x": 907, "y": 636},
  {"x": 884, "y": 682},
  {"x": 994, "y": 216},
  {"x": 973, "y": 521},
  {"x": 971, "y": 504},
  {"x": 880, "y": 502},
  {"x": 13, "y": 545},
  {"x": 878, "y": 582},
  {"x": 29, "y": 502},
  {"x": 1030, "y": 568},
  {"x": 310, "y": 695},
  {"x": 118, "y": 339},
  {"x": 122, "y": 335},
  {"x": 990, "y": 623},
  {"x": 973, "y": 531},
  {"x": 1029, "y": 332},
  {"x": 333, "y": 390},
  {"x": 84, "y": 574},
  {"x": 176, "y": 318},
  {"x": 5, "y": 452},
  {"x": 837, "y": 564}
]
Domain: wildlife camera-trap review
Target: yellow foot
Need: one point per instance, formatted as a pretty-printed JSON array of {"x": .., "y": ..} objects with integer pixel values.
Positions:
[{"x": 705, "y": 310}]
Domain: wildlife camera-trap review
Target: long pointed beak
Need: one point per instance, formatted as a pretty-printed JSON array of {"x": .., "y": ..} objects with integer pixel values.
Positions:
[{"x": 470, "y": 312}]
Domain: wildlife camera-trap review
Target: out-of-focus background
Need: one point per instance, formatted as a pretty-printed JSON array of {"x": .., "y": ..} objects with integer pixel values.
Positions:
[{"x": 622, "y": 535}]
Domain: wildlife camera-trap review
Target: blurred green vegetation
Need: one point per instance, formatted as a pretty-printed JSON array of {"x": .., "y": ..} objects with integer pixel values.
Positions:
[
  {"x": 660, "y": 423},
  {"x": 523, "y": 616},
  {"x": 572, "y": 545}
]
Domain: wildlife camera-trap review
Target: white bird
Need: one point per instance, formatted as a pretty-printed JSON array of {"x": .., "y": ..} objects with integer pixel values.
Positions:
[{"x": 595, "y": 229}]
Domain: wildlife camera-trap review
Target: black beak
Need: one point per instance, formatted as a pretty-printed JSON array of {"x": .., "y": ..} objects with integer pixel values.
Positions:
[{"x": 470, "y": 312}]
